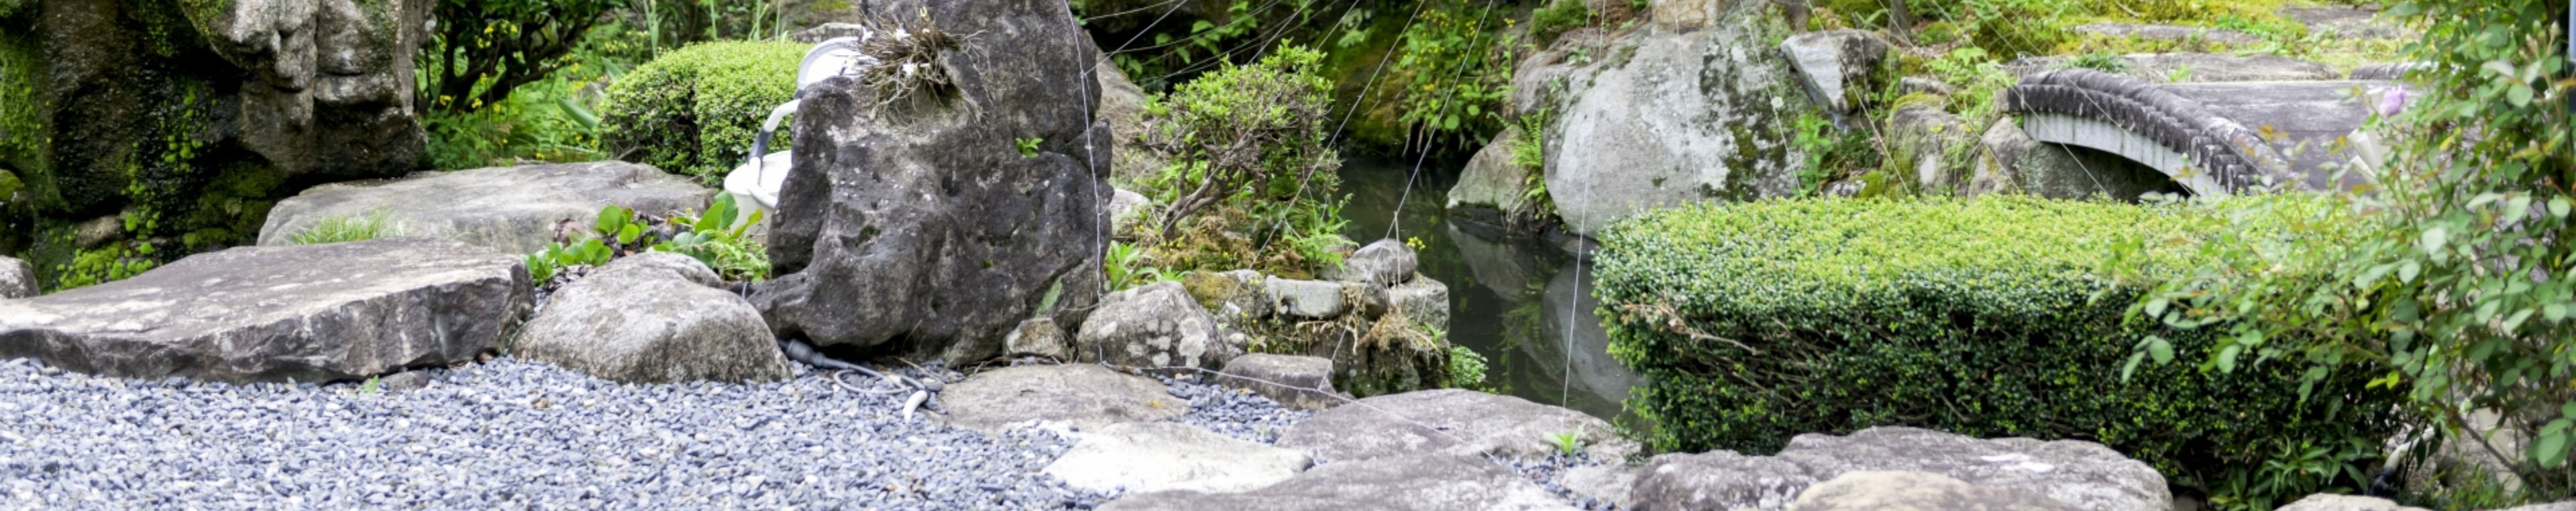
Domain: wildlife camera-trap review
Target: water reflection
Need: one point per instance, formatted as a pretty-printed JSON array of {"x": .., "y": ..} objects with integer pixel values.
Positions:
[{"x": 1511, "y": 299}]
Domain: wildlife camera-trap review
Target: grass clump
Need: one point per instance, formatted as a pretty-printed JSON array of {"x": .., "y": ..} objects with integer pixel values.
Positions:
[
  {"x": 1755, "y": 322},
  {"x": 344, "y": 229}
]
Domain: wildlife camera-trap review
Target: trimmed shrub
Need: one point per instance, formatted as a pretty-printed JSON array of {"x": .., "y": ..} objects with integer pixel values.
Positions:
[
  {"x": 694, "y": 110},
  {"x": 1755, "y": 322}
]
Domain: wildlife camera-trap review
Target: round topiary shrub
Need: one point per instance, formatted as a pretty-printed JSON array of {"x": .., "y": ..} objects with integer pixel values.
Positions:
[{"x": 693, "y": 111}]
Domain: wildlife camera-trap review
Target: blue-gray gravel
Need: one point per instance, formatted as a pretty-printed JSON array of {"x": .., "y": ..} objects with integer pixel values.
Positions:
[
  {"x": 506, "y": 434},
  {"x": 1233, "y": 412}
]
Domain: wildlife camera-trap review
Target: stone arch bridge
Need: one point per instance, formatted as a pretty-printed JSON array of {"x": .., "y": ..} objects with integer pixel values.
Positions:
[{"x": 2212, "y": 138}]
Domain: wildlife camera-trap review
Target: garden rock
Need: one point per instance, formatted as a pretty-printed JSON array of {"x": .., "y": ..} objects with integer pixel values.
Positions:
[
  {"x": 1424, "y": 300},
  {"x": 1038, "y": 337},
  {"x": 1083, "y": 396},
  {"x": 1929, "y": 136},
  {"x": 1307, "y": 299},
  {"x": 2014, "y": 162},
  {"x": 2346, "y": 22},
  {"x": 1838, "y": 66},
  {"x": 1610, "y": 482},
  {"x": 655, "y": 317},
  {"x": 885, "y": 242},
  {"x": 1382, "y": 263},
  {"x": 1917, "y": 491},
  {"x": 2164, "y": 32},
  {"x": 1417, "y": 482},
  {"x": 1152, "y": 326},
  {"x": 402, "y": 381},
  {"x": 17, "y": 279},
  {"x": 1297, "y": 381},
  {"x": 1490, "y": 187},
  {"x": 511, "y": 209},
  {"x": 2196, "y": 68},
  {"x": 1718, "y": 480},
  {"x": 2084, "y": 474},
  {"x": 311, "y": 313},
  {"x": 1662, "y": 118},
  {"x": 1234, "y": 296},
  {"x": 1122, "y": 104},
  {"x": 1925, "y": 85},
  {"x": 1388, "y": 355},
  {"x": 1169, "y": 456},
  {"x": 1451, "y": 421},
  {"x": 2331, "y": 502},
  {"x": 1126, "y": 209}
]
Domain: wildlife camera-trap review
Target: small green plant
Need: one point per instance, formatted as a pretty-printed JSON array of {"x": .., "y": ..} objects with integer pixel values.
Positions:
[
  {"x": 1567, "y": 443},
  {"x": 1028, "y": 147},
  {"x": 1814, "y": 136},
  {"x": 2098, "y": 61},
  {"x": 342, "y": 229},
  {"x": 1557, "y": 17},
  {"x": 1128, "y": 268},
  {"x": 372, "y": 385},
  {"x": 722, "y": 241},
  {"x": 1466, "y": 367},
  {"x": 544, "y": 264}
]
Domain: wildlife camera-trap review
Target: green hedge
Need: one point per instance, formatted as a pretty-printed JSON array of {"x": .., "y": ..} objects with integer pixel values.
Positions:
[
  {"x": 1989, "y": 318},
  {"x": 694, "y": 110}
]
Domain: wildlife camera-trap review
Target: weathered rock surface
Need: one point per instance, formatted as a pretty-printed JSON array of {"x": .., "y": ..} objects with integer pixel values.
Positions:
[
  {"x": 2083, "y": 475},
  {"x": 217, "y": 108},
  {"x": 2331, "y": 502},
  {"x": 1308, "y": 299},
  {"x": 2346, "y": 22},
  {"x": 1382, "y": 263},
  {"x": 1080, "y": 395},
  {"x": 1122, "y": 105},
  {"x": 2197, "y": 68},
  {"x": 1417, "y": 482},
  {"x": 1925, "y": 85},
  {"x": 1153, "y": 326},
  {"x": 1169, "y": 456},
  {"x": 1297, "y": 381},
  {"x": 1610, "y": 482},
  {"x": 17, "y": 279},
  {"x": 1038, "y": 337},
  {"x": 1838, "y": 66},
  {"x": 312, "y": 313},
  {"x": 655, "y": 317},
  {"x": 1451, "y": 421},
  {"x": 1917, "y": 491},
  {"x": 2164, "y": 32},
  {"x": 1128, "y": 209},
  {"x": 510, "y": 209},
  {"x": 913, "y": 226},
  {"x": 1666, "y": 117},
  {"x": 1490, "y": 180},
  {"x": 1423, "y": 300},
  {"x": 1930, "y": 137},
  {"x": 2014, "y": 162},
  {"x": 1235, "y": 297}
]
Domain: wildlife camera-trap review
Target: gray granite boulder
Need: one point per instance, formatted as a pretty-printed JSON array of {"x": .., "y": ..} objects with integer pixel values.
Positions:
[
  {"x": 1235, "y": 297},
  {"x": 2347, "y": 22},
  {"x": 913, "y": 226},
  {"x": 1451, "y": 421},
  {"x": 1382, "y": 263},
  {"x": 1308, "y": 299},
  {"x": 2196, "y": 68},
  {"x": 1079, "y": 395},
  {"x": 1917, "y": 491},
  {"x": 1152, "y": 326},
  {"x": 1491, "y": 182},
  {"x": 1296, "y": 381},
  {"x": 1128, "y": 209},
  {"x": 1838, "y": 67},
  {"x": 1423, "y": 300},
  {"x": 1416, "y": 482},
  {"x": 310, "y": 313},
  {"x": 17, "y": 279},
  {"x": 1931, "y": 137},
  {"x": 1165, "y": 456},
  {"x": 510, "y": 209},
  {"x": 2331, "y": 502},
  {"x": 2164, "y": 32},
  {"x": 655, "y": 317},
  {"x": 2083, "y": 475},
  {"x": 1038, "y": 337}
]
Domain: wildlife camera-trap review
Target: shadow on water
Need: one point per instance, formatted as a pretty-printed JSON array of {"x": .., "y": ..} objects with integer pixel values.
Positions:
[{"x": 1511, "y": 299}]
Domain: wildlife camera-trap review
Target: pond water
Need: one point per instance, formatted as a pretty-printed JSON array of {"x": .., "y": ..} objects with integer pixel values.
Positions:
[{"x": 1511, "y": 299}]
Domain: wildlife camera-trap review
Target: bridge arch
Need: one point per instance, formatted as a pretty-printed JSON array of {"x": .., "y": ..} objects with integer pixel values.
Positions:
[{"x": 2214, "y": 139}]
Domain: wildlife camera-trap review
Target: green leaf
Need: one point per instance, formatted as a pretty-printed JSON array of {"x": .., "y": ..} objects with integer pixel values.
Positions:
[
  {"x": 2433, "y": 239},
  {"x": 2161, "y": 349},
  {"x": 1450, "y": 124},
  {"x": 2568, "y": 410},
  {"x": 2132, "y": 367},
  {"x": 2518, "y": 94},
  {"x": 2558, "y": 207},
  {"x": 627, "y": 235},
  {"x": 2226, "y": 358},
  {"x": 2407, "y": 271},
  {"x": 2156, "y": 307},
  {"x": 2550, "y": 449}
]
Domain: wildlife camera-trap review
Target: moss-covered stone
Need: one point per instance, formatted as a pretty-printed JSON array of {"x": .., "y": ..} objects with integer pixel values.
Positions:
[{"x": 694, "y": 111}]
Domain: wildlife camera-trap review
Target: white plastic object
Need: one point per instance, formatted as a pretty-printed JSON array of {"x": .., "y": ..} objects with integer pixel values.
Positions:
[{"x": 756, "y": 183}]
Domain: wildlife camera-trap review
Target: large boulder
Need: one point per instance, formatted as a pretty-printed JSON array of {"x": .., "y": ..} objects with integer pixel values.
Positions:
[
  {"x": 2012, "y": 161},
  {"x": 914, "y": 226},
  {"x": 1418, "y": 482},
  {"x": 17, "y": 279},
  {"x": 309, "y": 313},
  {"x": 1423, "y": 300},
  {"x": 1917, "y": 491},
  {"x": 1162, "y": 456},
  {"x": 1153, "y": 326},
  {"x": 197, "y": 115},
  {"x": 1937, "y": 142},
  {"x": 1382, "y": 263},
  {"x": 1078, "y": 395},
  {"x": 1296, "y": 381},
  {"x": 511, "y": 209},
  {"x": 2083, "y": 475},
  {"x": 656, "y": 317},
  {"x": 1838, "y": 67},
  {"x": 1452, "y": 421},
  {"x": 2331, "y": 502},
  {"x": 1492, "y": 187},
  {"x": 1659, "y": 118}
]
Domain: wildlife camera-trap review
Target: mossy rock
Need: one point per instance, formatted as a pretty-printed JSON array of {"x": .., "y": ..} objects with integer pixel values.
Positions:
[{"x": 694, "y": 111}]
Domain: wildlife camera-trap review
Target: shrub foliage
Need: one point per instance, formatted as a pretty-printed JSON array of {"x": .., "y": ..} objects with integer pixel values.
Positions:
[
  {"x": 693, "y": 111},
  {"x": 1755, "y": 322}
]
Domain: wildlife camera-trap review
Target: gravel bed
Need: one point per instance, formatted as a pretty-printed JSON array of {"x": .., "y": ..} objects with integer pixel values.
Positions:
[
  {"x": 1233, "y": 412},
  {"x": 1546, "y": 471},
  {"x": 506, "y": 434}
]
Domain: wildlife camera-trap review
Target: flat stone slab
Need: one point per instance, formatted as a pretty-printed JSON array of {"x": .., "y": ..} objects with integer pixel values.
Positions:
[
  {"x": 2197, "y": 68},
  {"x": 2331, "y": 502},
  {"x": 2165, "y": 32},
  {"x": 1166, "y": 456},
  {"x": 1420, "y": 482},
  {"x": 309, "y": 313},
  {"x": 2083, "y": 475},
  {"x": 1084, "y": 396},
  {"x": 1917, "y": 491},
  {"x": 1300, "y": 382},
  {"x": 2346, "y": 22},
  {"x": 1452, "y": 421},
  {"x": 511, "y": 209}
]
